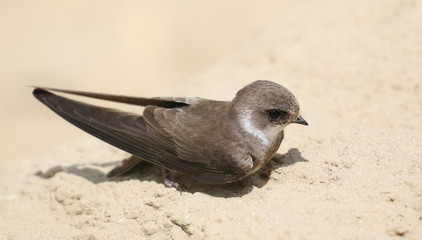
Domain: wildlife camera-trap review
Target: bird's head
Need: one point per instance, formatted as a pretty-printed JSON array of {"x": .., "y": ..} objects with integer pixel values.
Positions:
[{"x": 266, "y": 107}]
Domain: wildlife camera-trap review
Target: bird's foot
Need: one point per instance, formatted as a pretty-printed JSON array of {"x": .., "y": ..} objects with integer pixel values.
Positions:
[{"x": 169, "y": 181}]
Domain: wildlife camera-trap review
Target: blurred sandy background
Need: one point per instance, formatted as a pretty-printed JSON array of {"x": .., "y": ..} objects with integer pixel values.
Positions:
[{"x": 124, "y": 47}]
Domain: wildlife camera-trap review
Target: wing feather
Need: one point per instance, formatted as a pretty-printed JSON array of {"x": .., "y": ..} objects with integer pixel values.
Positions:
[
  {"x": 161, "y": 102},
  {"x": 157, "y": 136}
]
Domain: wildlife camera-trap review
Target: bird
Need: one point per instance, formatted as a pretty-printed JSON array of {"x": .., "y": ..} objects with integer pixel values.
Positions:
[{"x": 213, "y": 142}]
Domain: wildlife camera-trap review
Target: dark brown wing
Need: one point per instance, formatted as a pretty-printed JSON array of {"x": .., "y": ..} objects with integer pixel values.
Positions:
[
  {"x": 178, "y": 138},
  {"x": 127, "y": 131},
  {"x": 148, "y": 140},
  {"x": 164, "y": 127},
  {"x": 166, "y": 103},
  {"x": 124, "y": 130}
]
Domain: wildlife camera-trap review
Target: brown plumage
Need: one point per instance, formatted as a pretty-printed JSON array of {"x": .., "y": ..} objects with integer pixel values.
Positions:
[{"x": 210, "y": 141}]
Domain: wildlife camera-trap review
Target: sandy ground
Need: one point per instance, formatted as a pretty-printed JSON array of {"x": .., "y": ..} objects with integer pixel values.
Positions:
[{"x": 354, "y": 173}]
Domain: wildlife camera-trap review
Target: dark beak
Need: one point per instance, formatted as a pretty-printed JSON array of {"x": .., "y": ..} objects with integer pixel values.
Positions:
[{"x": 300, "y": 120}]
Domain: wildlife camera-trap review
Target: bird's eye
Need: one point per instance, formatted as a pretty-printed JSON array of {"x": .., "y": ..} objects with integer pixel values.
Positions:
[{"x": 274, "y": 114}]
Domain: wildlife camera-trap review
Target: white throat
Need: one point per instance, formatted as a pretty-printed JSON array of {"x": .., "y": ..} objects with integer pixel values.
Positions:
[{"x": 266, "y": 136}]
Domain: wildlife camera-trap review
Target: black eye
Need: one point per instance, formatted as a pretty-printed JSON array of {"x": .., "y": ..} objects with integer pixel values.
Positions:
[{"x": 274, "y": 114}]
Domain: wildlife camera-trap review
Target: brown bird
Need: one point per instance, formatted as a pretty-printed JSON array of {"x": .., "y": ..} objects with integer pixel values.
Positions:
[{"x": 211, "y": 141}]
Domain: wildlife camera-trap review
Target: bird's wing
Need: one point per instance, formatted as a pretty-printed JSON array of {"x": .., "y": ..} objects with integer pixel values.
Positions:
[
  {"x": 148, "y": 139},
  {"x": 163, "y": 126},
  {"x": 180, "y": 142},
  {"x": 160, "y": 102},
  {"x": 121, "y": 129}
]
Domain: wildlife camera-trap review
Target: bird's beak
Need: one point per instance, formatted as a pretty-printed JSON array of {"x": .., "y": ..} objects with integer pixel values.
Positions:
[{"x": 300, "y": 120}]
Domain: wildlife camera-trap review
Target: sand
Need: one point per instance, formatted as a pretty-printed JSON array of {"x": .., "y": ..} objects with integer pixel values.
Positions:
[{"x": 354, "y": 173}]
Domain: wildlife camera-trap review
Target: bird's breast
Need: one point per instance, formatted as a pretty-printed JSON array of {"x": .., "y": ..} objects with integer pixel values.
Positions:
[{"x": 263, "y": 152}]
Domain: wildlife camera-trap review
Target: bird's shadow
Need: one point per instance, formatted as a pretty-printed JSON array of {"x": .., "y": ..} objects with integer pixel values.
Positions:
[{"x": 145, "y": 171}]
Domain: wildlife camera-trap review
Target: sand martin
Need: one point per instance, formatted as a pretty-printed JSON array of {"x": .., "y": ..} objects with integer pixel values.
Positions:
[{"x": 211, "y": 141}]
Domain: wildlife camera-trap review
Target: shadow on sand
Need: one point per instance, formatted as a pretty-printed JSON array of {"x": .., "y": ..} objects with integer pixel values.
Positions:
[{"x": 148, "y": 172}]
